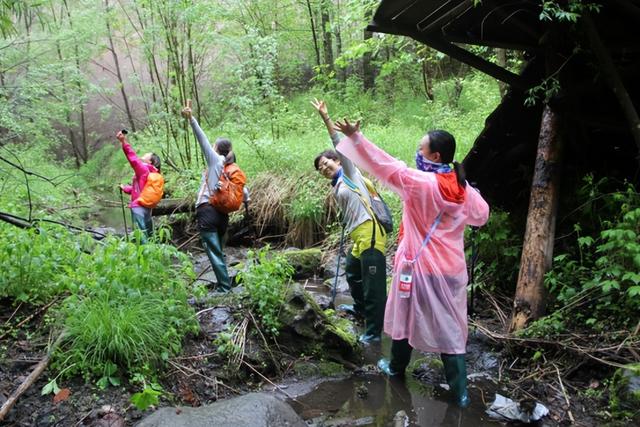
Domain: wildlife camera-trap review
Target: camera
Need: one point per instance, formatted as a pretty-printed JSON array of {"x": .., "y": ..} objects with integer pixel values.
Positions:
[{"x": 124, "y": 131}]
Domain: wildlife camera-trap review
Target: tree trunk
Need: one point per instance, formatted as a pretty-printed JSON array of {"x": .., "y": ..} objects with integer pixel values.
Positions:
[
  {"x": 368, "y": 77},
  {"x": 537, "y": 250},
  {"x": 501, "y": 57},
  {"x": 83, "y": 150},
  {"x": 117, "y": 65},
  {"x": 326, "y": 35},
  {"x": 427, "y": 81},
  {"x": 342, "y": 72},
  {"x": 313, "y": 33}
]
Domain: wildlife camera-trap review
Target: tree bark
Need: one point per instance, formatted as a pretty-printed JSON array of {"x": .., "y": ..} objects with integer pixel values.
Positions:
[
  {"x": 368, "y": 77},
  {"x": 326, "y": 35},
  {"x": 84, "y": 151},
  {"x": 313, "y": 33},
  {"x": 537, "y": 250},
  {"x": 342, "y": 72},
  {"x": 116, "y": 62}
]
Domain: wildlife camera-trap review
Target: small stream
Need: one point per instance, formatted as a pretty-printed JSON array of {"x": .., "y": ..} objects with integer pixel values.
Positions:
[
  {"x": 360, "y": 399},
  {"x": 371, "y": 399}
]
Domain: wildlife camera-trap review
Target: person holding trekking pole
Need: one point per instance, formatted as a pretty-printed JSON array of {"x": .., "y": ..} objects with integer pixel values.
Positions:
[
  {"x": 221, "y": 179},
  {"x": 146, "y": 180},
  {"x": 366, "y": 266},
  {"x": 427, "y": 306}
]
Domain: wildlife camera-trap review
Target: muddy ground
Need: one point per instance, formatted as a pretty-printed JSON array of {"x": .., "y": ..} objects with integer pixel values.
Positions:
[{"x": 324, "y": 393}]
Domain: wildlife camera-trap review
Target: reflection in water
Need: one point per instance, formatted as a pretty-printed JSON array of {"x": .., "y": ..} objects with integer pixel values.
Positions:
[{"x": 374, "y": 400}]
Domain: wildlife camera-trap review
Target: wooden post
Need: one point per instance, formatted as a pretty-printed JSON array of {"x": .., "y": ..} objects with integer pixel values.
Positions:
[{"x": 537, "y": 250}]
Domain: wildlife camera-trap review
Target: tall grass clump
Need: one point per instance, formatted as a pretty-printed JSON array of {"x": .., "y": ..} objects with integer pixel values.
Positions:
[{"x": 129, "y": 309}]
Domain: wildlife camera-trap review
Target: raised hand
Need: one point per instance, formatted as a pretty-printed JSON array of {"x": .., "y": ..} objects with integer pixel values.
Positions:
[
  {"x": 321, "y": 106},
  {"x": 186, "y": 111},
  {"x": 347, "y": 128},
  {"x": 120, "y": 137}
]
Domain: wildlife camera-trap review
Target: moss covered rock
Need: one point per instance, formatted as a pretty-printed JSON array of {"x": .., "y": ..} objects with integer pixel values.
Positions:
[
  {"x": 307, "y": 329},
  {"x": 306, "y": 262}
]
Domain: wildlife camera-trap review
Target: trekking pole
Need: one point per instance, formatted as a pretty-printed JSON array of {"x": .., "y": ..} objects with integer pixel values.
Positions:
[
  {"x": 124, "y": 216},
  {"x": 472, "y": 267},
  {"x": 335, "y": 281}
]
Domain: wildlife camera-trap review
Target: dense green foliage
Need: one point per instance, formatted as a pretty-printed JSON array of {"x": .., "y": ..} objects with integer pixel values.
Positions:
[
  {"x": 125, "y": 305},
  {"x": 599, "y": 274},
  {"x": 265, "y": 280}
]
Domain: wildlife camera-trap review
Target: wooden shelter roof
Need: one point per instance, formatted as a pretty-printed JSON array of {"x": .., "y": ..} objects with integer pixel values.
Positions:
[{"x": 584, "y": 56}]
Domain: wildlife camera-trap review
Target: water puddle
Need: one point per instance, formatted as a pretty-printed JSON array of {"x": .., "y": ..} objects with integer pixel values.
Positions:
[
  {"x": 374, "y": 400},
  {"x": 371, "y": 399}
]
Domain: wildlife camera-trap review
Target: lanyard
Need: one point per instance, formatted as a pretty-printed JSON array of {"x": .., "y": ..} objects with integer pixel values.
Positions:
[{"x": 427, "y": 237}]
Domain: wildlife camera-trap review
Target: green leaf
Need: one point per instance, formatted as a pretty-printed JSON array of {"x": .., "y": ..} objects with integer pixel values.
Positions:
[
  {"x": 146, "y": 398},
  {"x": 50, "y": 387}
]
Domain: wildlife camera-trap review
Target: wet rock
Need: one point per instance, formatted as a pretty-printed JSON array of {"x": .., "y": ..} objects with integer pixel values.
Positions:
[
  {"x": 216, "y": 320},
  {"x": 341, "y": 286},
  {"x": 306, "y": 262},
  {"x": 324, "y": 301},
  {"x": 308, "y": 329},
  {"x": 331, "y": 265},
  {"x": 254, "y": 409}
]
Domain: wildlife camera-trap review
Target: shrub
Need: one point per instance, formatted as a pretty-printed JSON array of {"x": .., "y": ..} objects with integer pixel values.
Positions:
[
  {"x": 32, "y": 262},
  {"x": 265, "y": 281},
  {"x": 129, "y": 308}
]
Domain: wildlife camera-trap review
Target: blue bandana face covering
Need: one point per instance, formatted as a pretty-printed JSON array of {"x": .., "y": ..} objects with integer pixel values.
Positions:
[{"x": 427, "y": 165}]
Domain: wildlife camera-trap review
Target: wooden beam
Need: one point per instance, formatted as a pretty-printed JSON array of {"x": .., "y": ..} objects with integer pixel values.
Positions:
[
  {"x": 451, "y": 15},
  {"x": 456, "y": 52}
]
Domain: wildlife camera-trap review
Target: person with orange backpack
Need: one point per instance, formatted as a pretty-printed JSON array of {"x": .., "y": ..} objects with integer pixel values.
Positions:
[
  {"x": 221, "y": 192},
  {"x": 146, "y": 188}
]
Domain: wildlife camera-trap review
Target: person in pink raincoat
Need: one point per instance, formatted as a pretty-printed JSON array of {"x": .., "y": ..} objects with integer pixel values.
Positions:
[
  {"x": 437, "y": 205},
  {"x": 142, "y": 167}
]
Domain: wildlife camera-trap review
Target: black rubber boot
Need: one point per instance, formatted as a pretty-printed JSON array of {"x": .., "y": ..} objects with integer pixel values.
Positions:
[{"x": 353, "y": 272}]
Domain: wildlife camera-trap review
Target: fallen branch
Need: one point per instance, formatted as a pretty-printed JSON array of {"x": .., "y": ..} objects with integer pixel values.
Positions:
[
  {"x": 569, "y": 343},
  {"x": 33, "y": 376},
  {"x": 564, "y": 393}
]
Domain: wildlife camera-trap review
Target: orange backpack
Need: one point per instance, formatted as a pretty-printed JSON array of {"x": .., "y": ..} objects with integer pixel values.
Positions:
[
  {"x": 228, "y": 198},
  {"x": 153, "y": 190}
]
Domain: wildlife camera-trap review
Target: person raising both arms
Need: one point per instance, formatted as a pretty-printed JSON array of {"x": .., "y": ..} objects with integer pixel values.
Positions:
[
  {"x": 427, "y": 306},
  {"x": 366, "y": 267}
]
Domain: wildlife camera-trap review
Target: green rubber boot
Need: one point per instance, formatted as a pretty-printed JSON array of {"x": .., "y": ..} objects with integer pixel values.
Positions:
[
  {"x": 455, "y": 370},
  {"x": 374, "y": 284},
  {"x": 213, "y": 247}
]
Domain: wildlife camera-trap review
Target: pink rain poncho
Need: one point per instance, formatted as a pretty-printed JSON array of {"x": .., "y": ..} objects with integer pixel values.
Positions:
[{"x": 434, "y": 318}]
